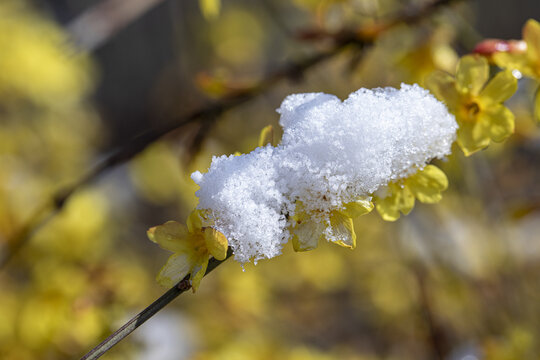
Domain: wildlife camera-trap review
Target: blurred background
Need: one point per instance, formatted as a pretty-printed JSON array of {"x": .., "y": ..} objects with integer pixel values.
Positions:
[{"x": 81, "y": 79}]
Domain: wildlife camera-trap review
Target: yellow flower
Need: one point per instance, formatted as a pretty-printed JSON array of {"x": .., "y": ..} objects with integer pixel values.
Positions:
[
  {"x": 37, "y": 61},
  {"x": 426, "y": 186},
  {"x": 210, "y": 8},
  {"x": 528, "y": 61},
  {"x": 478, "y": 107},
  {"x": 307, "y": 230},
  {"x": 192, "y": 247}
]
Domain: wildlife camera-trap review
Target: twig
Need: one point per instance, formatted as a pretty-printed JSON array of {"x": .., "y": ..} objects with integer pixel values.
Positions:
[{"x": 148, "y": 312}]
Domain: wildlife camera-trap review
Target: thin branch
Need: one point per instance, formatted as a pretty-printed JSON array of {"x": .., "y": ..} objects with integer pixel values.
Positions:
[
  {"x": 139, "y": 319},
  {"x": 292, "y": 70}
]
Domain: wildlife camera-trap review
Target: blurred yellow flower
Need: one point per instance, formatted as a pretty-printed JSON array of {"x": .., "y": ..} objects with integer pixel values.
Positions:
[
  {"x": 36, "y": 59},
  {"x": 192, "y": 246},
  {"x": 528, "y": 61},
  {"x": 210, "y": 8},
  {"x": 425, "y": 185},
  {"x": 477, "y": 106},
  {"x": 307, "y": 230}
]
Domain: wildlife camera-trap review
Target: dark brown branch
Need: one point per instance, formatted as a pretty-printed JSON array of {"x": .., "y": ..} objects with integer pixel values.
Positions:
[{"x": 139, "y": 319}]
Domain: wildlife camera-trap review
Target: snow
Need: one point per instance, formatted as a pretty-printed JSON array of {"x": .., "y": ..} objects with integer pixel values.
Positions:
[{"x": 331, "y": 153}]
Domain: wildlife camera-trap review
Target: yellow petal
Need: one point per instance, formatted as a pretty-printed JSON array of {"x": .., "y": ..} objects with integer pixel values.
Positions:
[
  {"x": 498, "y": 121},
  {"x": 171, "y": 236},
  {"x": 471, "y": 137},
  {"x": 405, "y": 200},
  {"x": 216, "y": 243},
  {"x": 472, "y": 73},
  {"x": 531, "y": 35},
  {"x": 343, "y": 229},
  {"x": 514, "y": 61},
  {"x": 443, "y": 86},
  {"x": 175, "y": 269},
  {"x": 537, "y": 105},
  {"x": 499, "y": 89},
  {"x": 266, "y": 136},
  {"x": 426, "y": 185},
  {"x": 306, "y": 235},
  {"x": 400, "y": 198},
  {"x": 194, "y": 221},
  {"x": 357, "y": 208},
  {"x": 387, "y": 208},
  {"x": 198, "y": 272}
]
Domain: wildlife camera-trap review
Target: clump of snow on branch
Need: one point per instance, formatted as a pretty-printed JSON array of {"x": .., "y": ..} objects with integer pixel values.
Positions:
[{"x": 331, "y": 153}]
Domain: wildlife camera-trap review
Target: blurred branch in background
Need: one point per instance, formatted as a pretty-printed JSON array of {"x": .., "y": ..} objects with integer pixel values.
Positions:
[
  {"x": 102, "y": 21},
  {"x": 293, "y": 70}
]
